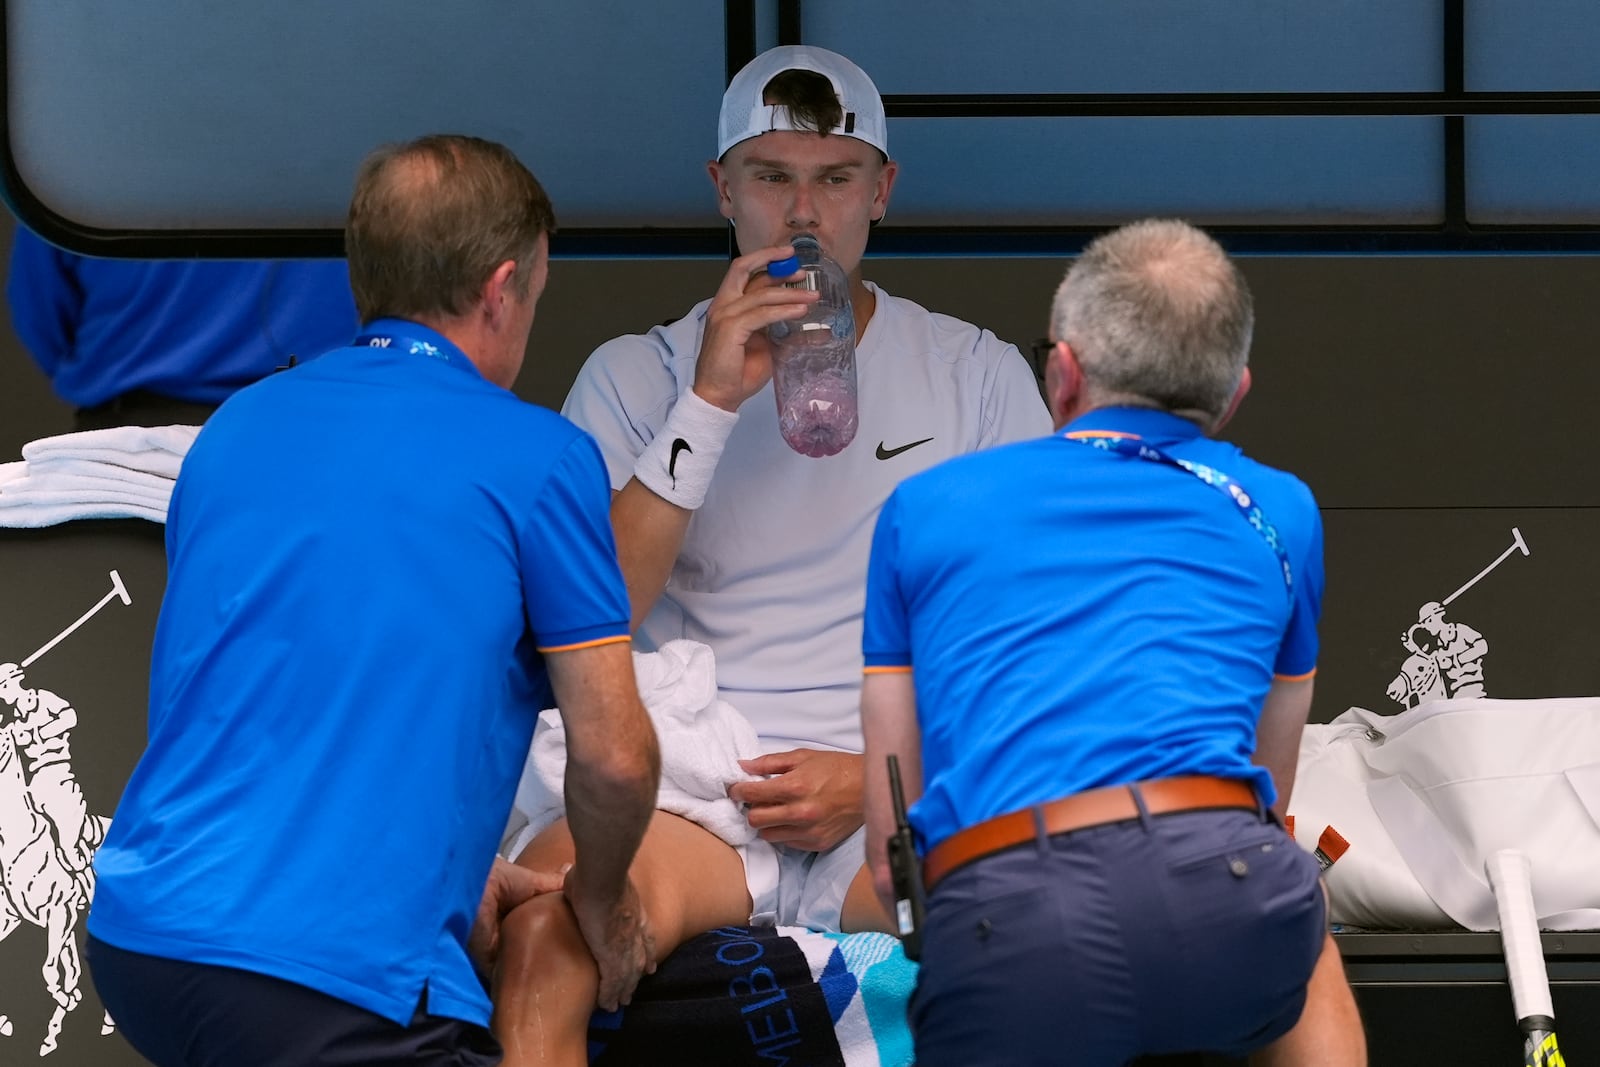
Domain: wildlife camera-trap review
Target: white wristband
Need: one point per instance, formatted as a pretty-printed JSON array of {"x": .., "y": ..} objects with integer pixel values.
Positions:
[{"x": 678, "y": 465}]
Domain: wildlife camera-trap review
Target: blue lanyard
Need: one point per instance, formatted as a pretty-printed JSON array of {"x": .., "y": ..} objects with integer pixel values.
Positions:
[
  {"x": 391, "y": 334},
  {"x": 1130, "y": 446}
]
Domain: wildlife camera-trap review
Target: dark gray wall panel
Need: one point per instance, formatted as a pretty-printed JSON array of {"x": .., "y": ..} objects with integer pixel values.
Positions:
[{"x": 1422, "y": 382}]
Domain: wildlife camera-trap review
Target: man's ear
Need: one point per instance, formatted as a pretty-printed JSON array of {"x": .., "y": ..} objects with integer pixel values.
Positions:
[
  {"x": 499, "y": 293},
  {"x": 1233, "y": 405},
  {"x": 885, "y": 185},
  {"x": 1063, "y": 382},
  {"x": 719, "y": 181}
]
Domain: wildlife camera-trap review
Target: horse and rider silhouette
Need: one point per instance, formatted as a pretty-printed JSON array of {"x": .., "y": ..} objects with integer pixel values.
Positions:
[{"x": 38, "y": 887}]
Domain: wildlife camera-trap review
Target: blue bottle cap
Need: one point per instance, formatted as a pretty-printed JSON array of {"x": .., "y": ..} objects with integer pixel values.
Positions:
[{"x": 782, "y": 268}]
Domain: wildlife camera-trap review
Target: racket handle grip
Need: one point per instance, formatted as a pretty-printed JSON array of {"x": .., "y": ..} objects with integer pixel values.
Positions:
[{"x": 1511, "y": 879}]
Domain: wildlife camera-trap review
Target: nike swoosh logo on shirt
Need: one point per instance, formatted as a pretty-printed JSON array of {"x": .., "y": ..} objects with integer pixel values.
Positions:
[
  {"x": 890, "y": 453},
  {"x": 678, "y": 445}
]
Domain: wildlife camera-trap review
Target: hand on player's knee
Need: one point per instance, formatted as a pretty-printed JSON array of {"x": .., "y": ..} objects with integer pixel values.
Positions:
[{"x": 619, "y": 937}]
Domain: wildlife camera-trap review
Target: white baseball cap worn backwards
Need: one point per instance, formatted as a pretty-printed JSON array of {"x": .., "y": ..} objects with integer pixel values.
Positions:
[{"x": 745, "y": 114}]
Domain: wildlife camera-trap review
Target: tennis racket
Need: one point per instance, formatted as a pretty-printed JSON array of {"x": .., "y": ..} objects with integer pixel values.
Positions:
[{"x": 1511, "y": 880}]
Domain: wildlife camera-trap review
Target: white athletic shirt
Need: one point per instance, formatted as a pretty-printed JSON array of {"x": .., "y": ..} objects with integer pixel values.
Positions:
[{"x": 772, "y": 574}]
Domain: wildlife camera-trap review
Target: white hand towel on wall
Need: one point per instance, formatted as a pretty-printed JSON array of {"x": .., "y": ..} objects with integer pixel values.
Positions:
[
  {"x": 36, "y": 513},
  {"x": 154, "y": 449},
  {"x": 64, "y": 473},
  {"x": 121, "y": 472},
  {"x": 70, "y": 488},
  {"x": 33, "y": 501}
]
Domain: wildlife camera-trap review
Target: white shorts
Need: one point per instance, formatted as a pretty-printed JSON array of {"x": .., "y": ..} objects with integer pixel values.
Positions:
[
  {"x": 794, "y": 887},
  {"x": 788, "y": 886}
]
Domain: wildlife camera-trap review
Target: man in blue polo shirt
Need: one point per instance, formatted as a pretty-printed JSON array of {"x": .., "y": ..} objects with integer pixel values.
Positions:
[
  {"x": 382, "y": 565},
  {"x": 1096, "y": 693}
]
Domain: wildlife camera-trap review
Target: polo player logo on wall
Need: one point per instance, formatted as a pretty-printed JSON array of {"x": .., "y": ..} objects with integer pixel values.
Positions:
[
  {"x": 47, "y": 836},
  {"x": 1446, "y": 657}
]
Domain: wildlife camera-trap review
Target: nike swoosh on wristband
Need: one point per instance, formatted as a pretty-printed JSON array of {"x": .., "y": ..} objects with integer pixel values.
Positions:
[
  {"x": 678, "y": 445},
  {"x": 890, "y": 453}
]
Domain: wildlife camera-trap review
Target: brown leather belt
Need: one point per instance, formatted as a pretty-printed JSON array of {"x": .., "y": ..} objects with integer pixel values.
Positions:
[{"x": 1162, "y": 796}]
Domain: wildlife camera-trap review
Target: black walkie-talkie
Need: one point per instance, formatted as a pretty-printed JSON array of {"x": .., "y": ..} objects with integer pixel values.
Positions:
[{"x": 904, "y": 871}]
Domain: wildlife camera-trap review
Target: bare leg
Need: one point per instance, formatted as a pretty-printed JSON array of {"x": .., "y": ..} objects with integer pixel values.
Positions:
[
  {"x": 689, "y": 881},
  {"x": 1329, "y": 1032},
  {"x": 862, "y": 910}
]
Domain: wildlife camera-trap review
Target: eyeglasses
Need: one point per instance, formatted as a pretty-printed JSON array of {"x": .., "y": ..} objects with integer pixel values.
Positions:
[{"x": 1039, "y": 352}]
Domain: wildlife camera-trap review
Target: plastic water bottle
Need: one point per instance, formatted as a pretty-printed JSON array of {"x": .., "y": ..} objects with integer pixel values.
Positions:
[{"x": 814, "y": 358}]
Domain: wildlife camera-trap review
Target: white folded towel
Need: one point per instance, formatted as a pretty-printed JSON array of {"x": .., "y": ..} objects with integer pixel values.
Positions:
[
  {"x": 76, "y": 488},
  {"x": 121, "y": 472},
  {"x": 34, "y": 501},
  {"x": 90, "y": 475},
  {"x": 154, "y": 449},
  {"x": 37, "y": 514},
  {"x": 702, "y": 738}
]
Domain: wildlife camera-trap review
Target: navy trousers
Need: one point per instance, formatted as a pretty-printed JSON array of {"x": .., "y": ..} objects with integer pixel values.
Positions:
[
  {"x": 1189, "y": 932},
  {"x": 178, "y": 1014}
]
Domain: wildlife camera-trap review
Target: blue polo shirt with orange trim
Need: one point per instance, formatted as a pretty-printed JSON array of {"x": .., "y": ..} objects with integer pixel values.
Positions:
[
  {"x": 1074, "y": 617},
  {"x": 368, "y": 556}
]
